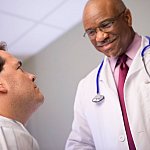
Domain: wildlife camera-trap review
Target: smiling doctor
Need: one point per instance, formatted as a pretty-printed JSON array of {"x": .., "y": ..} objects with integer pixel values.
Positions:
[{"x": 112, "y": 105}]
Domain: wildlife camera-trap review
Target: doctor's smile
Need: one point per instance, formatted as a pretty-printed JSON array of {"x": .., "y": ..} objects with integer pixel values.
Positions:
[
  {"x": 107, "y": 44},
  {"x": 106, "y": 41}
]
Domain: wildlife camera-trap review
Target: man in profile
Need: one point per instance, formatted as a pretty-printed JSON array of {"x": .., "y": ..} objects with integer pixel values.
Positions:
[{"x": 19, "y": 98}]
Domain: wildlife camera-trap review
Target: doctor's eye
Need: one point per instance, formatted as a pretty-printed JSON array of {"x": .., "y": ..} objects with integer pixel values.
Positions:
[
  {"x": 106, "y": 24},
  {"x": 91, "y": 32}
]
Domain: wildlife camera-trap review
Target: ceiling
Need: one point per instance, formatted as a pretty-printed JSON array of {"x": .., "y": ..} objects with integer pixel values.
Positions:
[{"x": 28, "y": 26}]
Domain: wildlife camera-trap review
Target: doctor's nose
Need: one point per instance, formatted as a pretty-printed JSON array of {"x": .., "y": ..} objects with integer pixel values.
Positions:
[{"x": 100, "y": 35}]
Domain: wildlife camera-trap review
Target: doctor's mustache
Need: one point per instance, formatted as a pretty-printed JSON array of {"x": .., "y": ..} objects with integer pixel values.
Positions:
[{"x": 106, "y": 41}]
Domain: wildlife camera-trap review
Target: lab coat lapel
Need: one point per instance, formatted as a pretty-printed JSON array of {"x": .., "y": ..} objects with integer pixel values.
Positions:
[
  {"x": 135, "y": 66},
  {"x": 106, "y": 76},
  {"x": 137, "y": 63}
]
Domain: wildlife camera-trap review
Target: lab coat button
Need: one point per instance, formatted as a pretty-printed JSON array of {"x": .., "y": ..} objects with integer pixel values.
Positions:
[{"x": 121, "y": 138}]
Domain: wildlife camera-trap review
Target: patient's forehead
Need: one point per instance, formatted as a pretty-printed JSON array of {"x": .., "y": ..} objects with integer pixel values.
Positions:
[
  {"x": 7, "y": 56},
  {"x": 4, "y": 54}
]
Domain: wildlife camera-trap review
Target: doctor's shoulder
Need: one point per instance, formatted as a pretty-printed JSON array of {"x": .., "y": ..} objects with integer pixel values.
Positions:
[{"x": 90, "y": 78}]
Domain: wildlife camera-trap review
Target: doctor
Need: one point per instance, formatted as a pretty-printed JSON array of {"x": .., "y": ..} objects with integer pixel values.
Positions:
[{"x": 105, "y": 122}]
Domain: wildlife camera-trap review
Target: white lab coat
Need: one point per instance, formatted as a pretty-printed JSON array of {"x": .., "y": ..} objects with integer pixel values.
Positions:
[
  {"x": 100, "y": 126},
  {"x": 14, "y": 136}
]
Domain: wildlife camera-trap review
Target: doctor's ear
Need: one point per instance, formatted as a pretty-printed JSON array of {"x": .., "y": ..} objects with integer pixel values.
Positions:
[
  {"x": 128, "y": 17},
  {"x": 3, "y": 88}
]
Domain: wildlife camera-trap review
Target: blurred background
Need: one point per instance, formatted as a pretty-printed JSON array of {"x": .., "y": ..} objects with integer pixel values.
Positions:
[{"x": 47, "y": 36}]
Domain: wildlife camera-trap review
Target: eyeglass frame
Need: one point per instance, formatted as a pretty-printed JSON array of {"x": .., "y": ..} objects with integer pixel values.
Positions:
[{"x": 103, "y": 26}]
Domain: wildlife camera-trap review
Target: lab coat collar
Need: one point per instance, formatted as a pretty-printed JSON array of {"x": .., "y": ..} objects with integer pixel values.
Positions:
[{"x": 137, "y": 63}]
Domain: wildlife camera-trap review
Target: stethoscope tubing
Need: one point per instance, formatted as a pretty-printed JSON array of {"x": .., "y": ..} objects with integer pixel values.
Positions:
[
  {"x": 97, "y": 78},
  {"x": 145, "y": 48}
]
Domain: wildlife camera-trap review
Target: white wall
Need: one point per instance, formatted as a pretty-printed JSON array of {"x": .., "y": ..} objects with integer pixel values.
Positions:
[
  {"x": 59, "y": 68},
  {"x": 140, "y": 14}
]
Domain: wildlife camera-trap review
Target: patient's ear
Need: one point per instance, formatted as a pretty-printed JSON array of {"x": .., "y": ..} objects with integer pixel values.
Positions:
[{"x": 3, "y": 88}]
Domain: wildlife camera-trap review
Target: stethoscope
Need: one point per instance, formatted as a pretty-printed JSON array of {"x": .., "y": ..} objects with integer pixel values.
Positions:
[{"x": 99, "y": 97}]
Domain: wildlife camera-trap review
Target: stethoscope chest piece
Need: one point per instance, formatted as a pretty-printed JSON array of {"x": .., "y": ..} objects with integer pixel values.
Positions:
[{"x": 98, "y": 98}]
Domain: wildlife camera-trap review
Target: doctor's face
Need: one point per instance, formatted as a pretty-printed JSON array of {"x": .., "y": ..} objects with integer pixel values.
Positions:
[
  {"x": 20, "y": 88},
  {"x": 109, "y": 29}
]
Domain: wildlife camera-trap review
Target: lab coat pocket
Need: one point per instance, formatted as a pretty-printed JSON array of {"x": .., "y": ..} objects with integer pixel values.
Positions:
[
  {"x": 145, "y": 90},
  {"x": 145, "y": 100}
]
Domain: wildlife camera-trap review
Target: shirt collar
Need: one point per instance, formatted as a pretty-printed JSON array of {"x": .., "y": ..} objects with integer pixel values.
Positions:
[
  {"x": 131, "y": 51},
  {"x": 134, "y": 46}
]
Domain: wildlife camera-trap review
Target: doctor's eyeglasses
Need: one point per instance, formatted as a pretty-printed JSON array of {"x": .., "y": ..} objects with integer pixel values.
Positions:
[{"x": 104, "y": 26}]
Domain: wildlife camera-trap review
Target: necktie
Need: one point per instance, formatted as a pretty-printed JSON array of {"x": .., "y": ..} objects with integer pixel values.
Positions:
[{"x": 122, "y": 75}]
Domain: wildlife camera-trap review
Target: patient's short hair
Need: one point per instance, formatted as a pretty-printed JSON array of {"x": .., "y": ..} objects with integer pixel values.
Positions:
[{"x": 3, "y": 47}]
